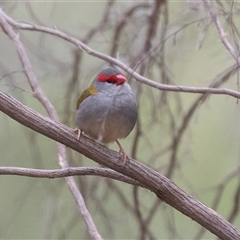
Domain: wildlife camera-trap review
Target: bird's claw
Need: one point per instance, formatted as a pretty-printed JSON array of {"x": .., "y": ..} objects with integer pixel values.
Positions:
[
  {"x": 79, "y": 132},
  {"x": 124, "y": 157},
  {"x": 122, "y": 153}
]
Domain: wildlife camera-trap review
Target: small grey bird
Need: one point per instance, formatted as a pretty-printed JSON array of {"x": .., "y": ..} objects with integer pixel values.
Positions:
[{"x": 107, "y": 110}]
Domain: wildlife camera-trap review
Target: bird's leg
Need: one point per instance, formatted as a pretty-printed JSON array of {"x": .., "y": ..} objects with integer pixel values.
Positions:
[
  {"x": 122, "y": 152},
  {"x": 79, "y": 132}
]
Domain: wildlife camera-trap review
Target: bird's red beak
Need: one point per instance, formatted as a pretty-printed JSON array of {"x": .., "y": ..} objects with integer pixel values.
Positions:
[{"x": 120, "y": 79}]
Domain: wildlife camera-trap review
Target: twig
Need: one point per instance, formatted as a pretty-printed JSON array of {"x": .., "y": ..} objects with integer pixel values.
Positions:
[
  {"x": 222, "y": 34},
  {"x": 67, "y": 172},
  {"x": 138, "y": 77}
]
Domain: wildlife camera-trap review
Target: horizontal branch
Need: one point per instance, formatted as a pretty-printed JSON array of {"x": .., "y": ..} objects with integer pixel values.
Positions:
[
  {"x": 67, "y": 172},
  {"x": 163, "y": 187},
  {"x": 138, "y": 77}
]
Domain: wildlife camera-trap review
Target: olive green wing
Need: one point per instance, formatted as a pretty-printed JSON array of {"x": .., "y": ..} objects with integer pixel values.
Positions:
[{"x": 88, "y": 92}]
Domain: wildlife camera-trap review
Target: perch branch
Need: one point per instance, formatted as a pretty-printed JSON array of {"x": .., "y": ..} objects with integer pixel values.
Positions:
[{"x": 163, "y": 187}]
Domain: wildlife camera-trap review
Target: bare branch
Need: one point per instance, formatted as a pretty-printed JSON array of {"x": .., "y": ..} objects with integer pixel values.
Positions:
[
  {"x": 163, "y": 187},
  {"x": 67, "y": 172},
  {"x": 221, "y": 32},
  {"x": 138, "y": 77}
]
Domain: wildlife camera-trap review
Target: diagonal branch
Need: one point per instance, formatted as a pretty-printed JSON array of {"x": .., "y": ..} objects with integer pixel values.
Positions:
[
  {"x": 221, "y": 32},
  {"x": 163, "y": 187}
]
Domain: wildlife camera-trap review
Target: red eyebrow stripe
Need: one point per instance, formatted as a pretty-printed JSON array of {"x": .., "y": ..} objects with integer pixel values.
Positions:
[{"x": 103, "y": 78}]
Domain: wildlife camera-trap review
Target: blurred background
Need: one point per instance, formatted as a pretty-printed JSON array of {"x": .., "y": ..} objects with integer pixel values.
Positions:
[{"x": 191, "y": 138}]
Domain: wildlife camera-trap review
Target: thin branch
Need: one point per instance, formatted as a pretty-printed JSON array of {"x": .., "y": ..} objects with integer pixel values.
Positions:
[
  {"x": 138, "y": 77},
  {"x": 67, "y": 172},
  {"x": 126, "y": 16},
  {"x": 220, "y": 79},
  {"x": 27, "y": 68},
  {"x": 221, "y": 32},
  {"x": 236, "y": 205}
]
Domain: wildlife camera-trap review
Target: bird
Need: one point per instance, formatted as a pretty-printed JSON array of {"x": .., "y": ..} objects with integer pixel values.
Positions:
[{"x": 107, "y": 110}]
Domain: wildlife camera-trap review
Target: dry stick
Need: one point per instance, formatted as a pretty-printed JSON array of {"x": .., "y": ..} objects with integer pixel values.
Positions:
[
  {"x": 222, "y": 34},
  {"x": 40, "y": 95},
  {"x": 152, "y": 25},
  {"x": 112, "y": 60},
  {"x": 67, "y": 172},
  {"x": 163, "y": 187}
]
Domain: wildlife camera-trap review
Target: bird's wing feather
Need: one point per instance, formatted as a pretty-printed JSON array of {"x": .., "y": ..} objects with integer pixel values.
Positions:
[{"x": 88, "y": 92}]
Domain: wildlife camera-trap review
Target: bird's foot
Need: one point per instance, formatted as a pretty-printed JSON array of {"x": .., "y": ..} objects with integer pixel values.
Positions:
[
  {"x": 124, "y": 157},
  {"x": 79, "y": 132}
]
